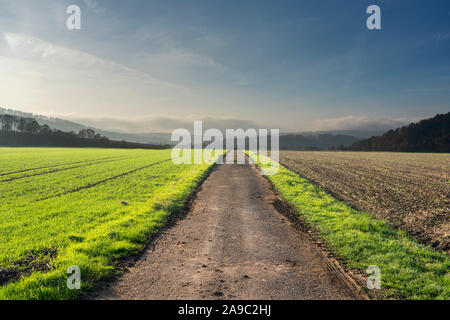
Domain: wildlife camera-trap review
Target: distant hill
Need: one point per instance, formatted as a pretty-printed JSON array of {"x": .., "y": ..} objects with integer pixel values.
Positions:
[
  {"x": 430, "y": 135},
  {"x": 315, "y": 141},
  {"x": 303, "y": 140},
  {"x": 18, "y": 131},
  {"x": 363, "y": 134},
  {"x": 53, "y": 123},
  {"x": 67, "y": 126}
]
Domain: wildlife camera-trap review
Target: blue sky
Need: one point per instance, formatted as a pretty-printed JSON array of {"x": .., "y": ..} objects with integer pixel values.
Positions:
[{"x": 296, "y": 65}]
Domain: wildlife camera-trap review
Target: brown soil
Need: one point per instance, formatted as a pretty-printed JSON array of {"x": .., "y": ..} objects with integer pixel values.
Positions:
[
  {"x": 410, "y": 191},
  {"x": 34, "y": 260},
  {"x": 233, "y": 244}
]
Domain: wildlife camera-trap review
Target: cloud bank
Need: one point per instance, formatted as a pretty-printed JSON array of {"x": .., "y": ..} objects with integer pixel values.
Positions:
[
  {"x": 160, "y": 123},
  {"x": 156, "y": 123},
  {"x": 352, "y": 122},
  {"x": 37, "y": 50}
]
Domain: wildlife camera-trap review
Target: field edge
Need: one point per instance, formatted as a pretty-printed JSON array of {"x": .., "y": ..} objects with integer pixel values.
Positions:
[
  {"x": 98, "y": 262},
  {"x": 409, "y": 270}
]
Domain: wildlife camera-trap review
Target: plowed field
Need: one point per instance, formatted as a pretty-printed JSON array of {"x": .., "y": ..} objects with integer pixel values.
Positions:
[{"x": 410, "y": 191}]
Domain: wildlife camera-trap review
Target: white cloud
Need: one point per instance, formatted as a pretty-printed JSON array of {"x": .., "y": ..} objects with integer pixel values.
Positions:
[
  {"x": 33, "y": 49},
  {"x": 158, "y": 123},
  {"x": 168, "y": 55},
  {"x": 42, "y": 76},
  {"x": 353, "y": 122}
]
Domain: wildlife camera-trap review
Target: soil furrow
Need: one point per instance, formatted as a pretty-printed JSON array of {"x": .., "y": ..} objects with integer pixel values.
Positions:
[
  {"x": 55, "y": 165},
  {"x": 91, "y": 185},
  {"x": 59, "y": 170}
]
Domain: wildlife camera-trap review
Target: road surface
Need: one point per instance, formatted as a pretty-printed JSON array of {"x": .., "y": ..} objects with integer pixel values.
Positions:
[{"x": 232, "y": 244}]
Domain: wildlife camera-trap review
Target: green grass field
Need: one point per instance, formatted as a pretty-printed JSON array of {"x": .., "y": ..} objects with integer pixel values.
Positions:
[
  {"x": 409, "y": 270},
  {"x": 61, "y": 207}
]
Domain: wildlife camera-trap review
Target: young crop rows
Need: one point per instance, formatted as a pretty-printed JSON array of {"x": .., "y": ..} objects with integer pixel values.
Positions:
[{"x": 62, "y": 207}]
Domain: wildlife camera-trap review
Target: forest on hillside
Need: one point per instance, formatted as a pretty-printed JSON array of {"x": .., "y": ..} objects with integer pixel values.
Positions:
[
  {"x": 430, "y": 135},
  {"x": 17, "y": 131}
]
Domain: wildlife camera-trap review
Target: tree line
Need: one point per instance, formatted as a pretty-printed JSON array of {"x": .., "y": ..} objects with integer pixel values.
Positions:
[
  {"x": 18, "y": 131},
  {"x": 430, "y": 135}
]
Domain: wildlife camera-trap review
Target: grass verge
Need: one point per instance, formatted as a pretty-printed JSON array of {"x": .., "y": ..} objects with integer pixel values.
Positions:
[{"x": 409, "y": 270}]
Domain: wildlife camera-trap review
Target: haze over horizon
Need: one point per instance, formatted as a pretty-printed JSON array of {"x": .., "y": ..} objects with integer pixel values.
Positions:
[{"x": 297, "y": 66}]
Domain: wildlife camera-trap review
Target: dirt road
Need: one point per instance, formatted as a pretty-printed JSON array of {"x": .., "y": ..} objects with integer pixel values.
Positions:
[{"x": 232, "y": 244}]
